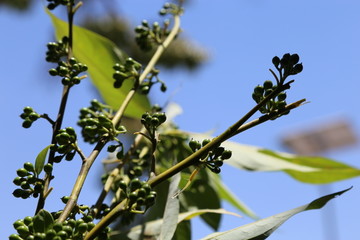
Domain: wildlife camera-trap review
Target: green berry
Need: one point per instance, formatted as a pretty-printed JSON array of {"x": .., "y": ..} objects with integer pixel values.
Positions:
[
  {"x": 53, "y": 72},
  {"x": 50, "y": 234},
  {"x": 135, "y": 184},
  {"x": 23, "y": 230},
  {"x": 34, "y": 116},
  {"x": 82, "y": 228},
  {"x": 27, "y": 123},
  {"x": 15, "y": 237},
  {"x": 193, "y": 144},
  {"x": 29, "y": 166},
  {"x": 40, "y": 236},
  {"x": 48, "y": 168},
  {"x": 17, "y": 181},
  {"x": 22, "y": 172},
  {"x": 18, "y": 223},
  {"x": 150, "y": 200},
  {"x": 226, "y": 154},
  {"x": 259, "y": 90},
  {"x": 18, "y": 192},
  {"x": 57, "y": 226},
  {"x": 268, "y": 84}
]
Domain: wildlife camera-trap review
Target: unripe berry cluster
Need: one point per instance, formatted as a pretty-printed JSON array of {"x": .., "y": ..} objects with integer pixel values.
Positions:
[
  {"x": 275, "y": 104},
  {"x": 170, "y": 8},
  {"x": 57, "y": 50},
  {"x": 150, "y": 80},
  {"x": 214, "y": 158},
  {"x": 96, "y": 123},
  {"x": 152, "y": 121},
  {"x": 66, "y": 144},
  {"x": 130, "y": 70},
  {"x": 139, "y": 193},
  {"x": 54, "y": 3},
  {"x": 69, "y": 229},
  {"x": 149, "y": 36},
  {"x": 28, "y": 181},
  {"x": 288, "y": 65},
  {"x": 69, "y": 71},
  {"x": 29, "y": 116}
]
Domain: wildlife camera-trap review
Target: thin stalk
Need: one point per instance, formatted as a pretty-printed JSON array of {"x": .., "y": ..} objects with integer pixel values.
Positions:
[
  {"x": 58, "y": 123},
  {"x": 87, "y": 163}
]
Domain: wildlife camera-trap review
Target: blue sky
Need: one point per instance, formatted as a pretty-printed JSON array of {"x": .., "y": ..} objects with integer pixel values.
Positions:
[{"x": 241, "y": 37}]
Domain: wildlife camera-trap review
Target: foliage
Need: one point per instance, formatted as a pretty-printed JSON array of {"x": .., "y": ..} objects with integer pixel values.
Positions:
[{"x": 167, "y": 176}]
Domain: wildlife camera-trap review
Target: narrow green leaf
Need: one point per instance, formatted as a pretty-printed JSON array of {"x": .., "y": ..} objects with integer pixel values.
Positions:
[
  {"x": 43, "y": 221},
  {"x": 226, "y": 194},
  {"x": 172, "y": 209},
  {"x": 100, "y": 55},
  {"x": 153, "y": 228},
  {"x": 314, "y": 170},
  {"x": 40, "y": 160},
  {"x": 263, "y": 228}
]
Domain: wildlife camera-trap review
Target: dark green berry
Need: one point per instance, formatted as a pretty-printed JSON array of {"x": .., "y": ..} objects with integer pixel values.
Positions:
[
  {"x": 22, "y": 172},
  {"x": 82, "y": 228},
  {"x": 29, "y": 166},
  {"x": 34, "y": 116},
  {"x": 15, "y": 237},
  {"x": 53, "y": 72},
  {"x": 23, "y": 230},
  {"x": 27, "y": 123},
  {"x": 268, "y": 84},
  {"x": 18, "y": 223},
  {"x": 226, "y": 154},
  {"x": 276, "y": 61},
  {"x": 135, "y": 184}
]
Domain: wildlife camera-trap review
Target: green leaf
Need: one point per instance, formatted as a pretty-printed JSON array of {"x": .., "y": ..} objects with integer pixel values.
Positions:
[
  {"x": 314, "y": 170},
  {"x": 100, "y": 55},
  {"x": 326, "y": 170},
  {"x": 153, "y": 228},
  {"x": 202, "y": 195},
  {"x": 43, "y": 221},
  {"x": 172, "y": 209},
  {"x": 263, "y": 228},
  {"x": 226, "y": 194},
  {"x": 40, "y": 160}
]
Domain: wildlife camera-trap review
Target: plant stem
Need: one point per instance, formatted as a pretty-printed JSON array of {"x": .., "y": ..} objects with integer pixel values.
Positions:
[{"x": 87, "y": 163}]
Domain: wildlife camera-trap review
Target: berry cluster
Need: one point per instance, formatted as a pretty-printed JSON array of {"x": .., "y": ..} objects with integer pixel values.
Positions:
[
  {"x": 275, "y": 104},
  {"x": 152, "y": 121},
  {"x": 54, "y": 3},
  {"x": 57, "y": 50},
  {"x": 214, "y": 158},
  {"x": 150, "y": 80},
  {"x": 139, "y": 193},
  {"x": 129, "y": 70},
  {"x": 29, "y": 116},
  {"x": 170, "y": 8},
  {"x": 69, "y": 71},
  {"x": 96, "y": 123},
  {"x": 66, "y": 144},
  {"x": 149, "y": 36},
  {"x": 287, "y": 65},
  {"x": 28, "y": 181},
  {"x": 70, "y": 229}
]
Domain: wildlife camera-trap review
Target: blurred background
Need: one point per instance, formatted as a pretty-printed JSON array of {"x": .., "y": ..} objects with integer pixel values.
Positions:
[{"x": 225, "y": 50}]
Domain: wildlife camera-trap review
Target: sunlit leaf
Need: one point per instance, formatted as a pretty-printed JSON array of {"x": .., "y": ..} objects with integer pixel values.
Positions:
[
  {"x": 202, "y": 195},
  {"x": 100, "y": 55},
  {"x": 314, "y": 170},
  {"x": 226, "y": 194},
  {"x": 153, "y": 228},
  {"x": 171, "y": 212},
  {"x": 40, "y": 160},
  {"x": 263, "y": 228}
]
